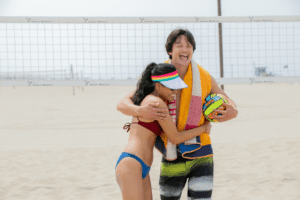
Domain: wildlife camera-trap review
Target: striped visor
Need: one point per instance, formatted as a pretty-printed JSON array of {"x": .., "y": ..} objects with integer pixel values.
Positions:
[{"x": 170, "y": 80}]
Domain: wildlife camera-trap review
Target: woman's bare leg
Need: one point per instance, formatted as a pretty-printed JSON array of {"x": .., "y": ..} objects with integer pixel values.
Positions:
[
  {"x": 129, "y": 178},
  {"x": 147, "y": 188}
]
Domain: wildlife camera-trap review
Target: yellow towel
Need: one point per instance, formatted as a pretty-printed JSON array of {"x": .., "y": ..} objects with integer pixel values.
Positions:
[{"x": 199, "y": 87}]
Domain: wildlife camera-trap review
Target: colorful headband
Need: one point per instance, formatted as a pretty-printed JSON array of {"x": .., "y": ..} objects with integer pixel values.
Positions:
[{"x": 165, "y": 77}]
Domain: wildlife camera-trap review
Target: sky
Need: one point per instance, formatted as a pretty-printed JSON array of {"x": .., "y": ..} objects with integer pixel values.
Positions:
[{"x": 127, "y": 8}]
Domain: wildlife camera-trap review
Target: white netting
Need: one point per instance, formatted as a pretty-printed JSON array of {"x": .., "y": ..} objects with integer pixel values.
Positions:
[{"x": 120, "y": 48}]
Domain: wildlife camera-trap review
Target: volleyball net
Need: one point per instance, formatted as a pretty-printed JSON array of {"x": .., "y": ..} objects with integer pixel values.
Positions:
[{"x": 115, "y": 50}]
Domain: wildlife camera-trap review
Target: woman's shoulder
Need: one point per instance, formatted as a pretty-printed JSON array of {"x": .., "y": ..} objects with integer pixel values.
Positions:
[{"x": 149, "y": 99}]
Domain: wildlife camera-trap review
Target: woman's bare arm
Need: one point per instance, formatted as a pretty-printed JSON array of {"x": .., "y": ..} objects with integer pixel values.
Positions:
[{"x": 169, "y": 127}]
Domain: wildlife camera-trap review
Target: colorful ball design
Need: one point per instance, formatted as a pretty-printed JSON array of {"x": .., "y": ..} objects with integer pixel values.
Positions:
[{"x": 212, "y": 102}]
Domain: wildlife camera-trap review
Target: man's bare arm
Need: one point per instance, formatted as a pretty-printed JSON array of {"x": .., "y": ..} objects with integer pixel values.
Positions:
[
  {"x": 215, "y": 89},
  {"x": 127, "y": 107},
  {"x": 231, "y": 109},
  {"x": 148, "y": 111}
]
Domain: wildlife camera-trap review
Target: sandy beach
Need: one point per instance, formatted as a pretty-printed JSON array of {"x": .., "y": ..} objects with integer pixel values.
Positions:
[{"x": 58, "y": 146}]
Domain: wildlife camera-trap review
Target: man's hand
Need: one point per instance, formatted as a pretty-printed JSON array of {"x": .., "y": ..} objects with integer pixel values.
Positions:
[
  {"x": 229, "y": 113},
  {"x": 152, "y": 112}
]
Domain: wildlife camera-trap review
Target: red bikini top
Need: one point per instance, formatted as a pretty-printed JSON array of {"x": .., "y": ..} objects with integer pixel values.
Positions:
[{"x": 151, "y": 126}]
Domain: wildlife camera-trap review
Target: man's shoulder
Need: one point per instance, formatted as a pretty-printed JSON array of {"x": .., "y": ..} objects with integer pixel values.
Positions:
[
  {"x": 202, "y": 70},
  {"x": 206, "y": 78}
]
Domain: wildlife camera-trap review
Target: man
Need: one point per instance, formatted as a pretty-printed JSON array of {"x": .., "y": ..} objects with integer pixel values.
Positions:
[{"x": 197, "y": 169}]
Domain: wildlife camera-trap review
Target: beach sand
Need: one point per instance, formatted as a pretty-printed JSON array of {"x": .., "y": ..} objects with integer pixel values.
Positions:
[{"x": 60, "y": 146}]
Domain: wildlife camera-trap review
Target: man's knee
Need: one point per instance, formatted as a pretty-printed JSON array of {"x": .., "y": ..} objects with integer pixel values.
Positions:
[
  {"x": 171, "y": 187},
  {"x": 200, "y": 187}
]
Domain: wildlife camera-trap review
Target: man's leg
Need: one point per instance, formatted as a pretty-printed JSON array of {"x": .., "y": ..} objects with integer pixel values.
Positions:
[
  {"x": 200, "y": 182},
  {"x": 173, "y": 177}
]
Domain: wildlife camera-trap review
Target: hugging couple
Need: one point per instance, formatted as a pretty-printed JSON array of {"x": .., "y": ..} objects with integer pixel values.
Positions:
[{"x": 166, "y": 110}]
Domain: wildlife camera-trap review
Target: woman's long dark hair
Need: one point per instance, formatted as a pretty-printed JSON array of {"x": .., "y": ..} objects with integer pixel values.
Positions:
[{"x": 145, "y": 85}]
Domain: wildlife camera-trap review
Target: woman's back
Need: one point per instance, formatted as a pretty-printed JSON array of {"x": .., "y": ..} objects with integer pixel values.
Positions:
[{"x": 141, "y": 140}]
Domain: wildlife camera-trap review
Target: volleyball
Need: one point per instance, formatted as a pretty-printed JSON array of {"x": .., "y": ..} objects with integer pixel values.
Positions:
[{"x": 212, "y": 102}]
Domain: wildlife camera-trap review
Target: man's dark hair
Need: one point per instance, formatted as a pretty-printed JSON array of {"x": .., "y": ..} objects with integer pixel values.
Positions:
[{"x": 176, "y": 34}]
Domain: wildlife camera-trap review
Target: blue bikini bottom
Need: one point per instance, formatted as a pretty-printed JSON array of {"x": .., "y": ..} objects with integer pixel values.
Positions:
[{"x": 145, "y": 168}]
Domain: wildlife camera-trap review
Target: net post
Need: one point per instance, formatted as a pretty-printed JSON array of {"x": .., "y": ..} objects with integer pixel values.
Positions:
[
  {"x": 220, "y": 44},
  {"x": 82, "y": 79},
  {"x": 72, "y": 74}
]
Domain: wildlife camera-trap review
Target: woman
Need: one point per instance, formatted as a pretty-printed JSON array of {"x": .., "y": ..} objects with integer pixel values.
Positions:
[{"x": 159, "y": 84}]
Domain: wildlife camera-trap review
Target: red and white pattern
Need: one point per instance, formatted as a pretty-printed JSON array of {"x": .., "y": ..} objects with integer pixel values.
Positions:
[{"x": 171, "y": 148}]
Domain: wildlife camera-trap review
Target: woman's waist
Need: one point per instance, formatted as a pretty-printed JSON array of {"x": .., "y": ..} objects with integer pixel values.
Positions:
[
  {"x": 139, "y": 135},
  {"x": 144, "y": 152}
]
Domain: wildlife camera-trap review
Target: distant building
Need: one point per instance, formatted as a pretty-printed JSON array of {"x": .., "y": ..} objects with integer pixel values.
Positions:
[{"x": 260, "y": 71}]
